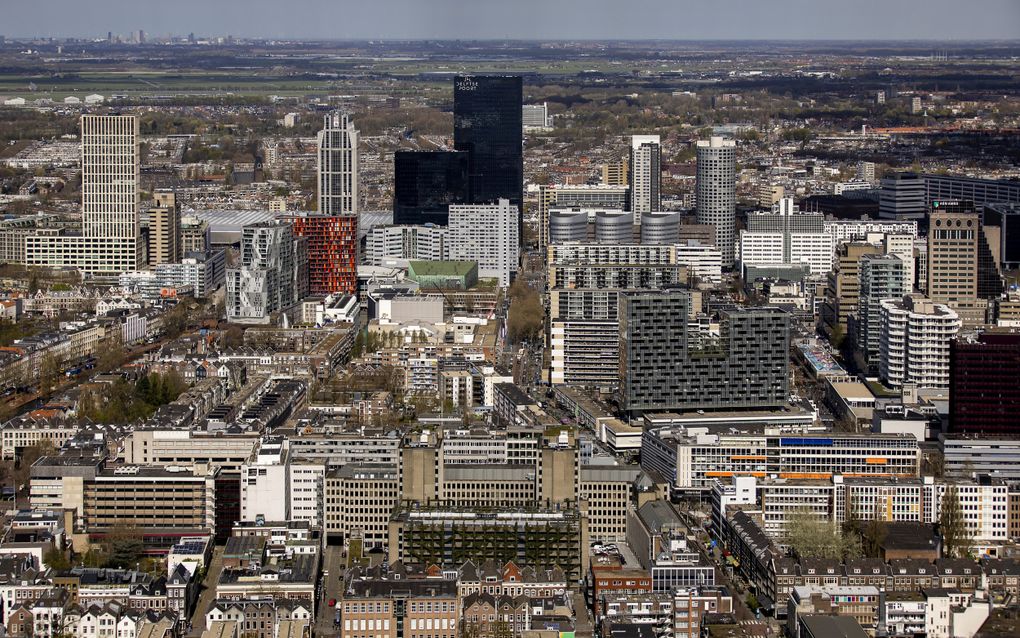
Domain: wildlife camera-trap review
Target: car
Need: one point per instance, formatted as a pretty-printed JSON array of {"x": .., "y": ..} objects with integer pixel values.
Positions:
[{"x": 332, "y": 602}]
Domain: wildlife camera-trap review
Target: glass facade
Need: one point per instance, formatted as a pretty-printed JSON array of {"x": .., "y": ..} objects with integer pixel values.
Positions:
[
  {"x": 426, "y": 183},
  {"x": 487, "y": 121}
]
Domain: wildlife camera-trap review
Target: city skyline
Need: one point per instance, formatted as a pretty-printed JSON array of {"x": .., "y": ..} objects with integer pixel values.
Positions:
[{"x": 453, "y": 19}]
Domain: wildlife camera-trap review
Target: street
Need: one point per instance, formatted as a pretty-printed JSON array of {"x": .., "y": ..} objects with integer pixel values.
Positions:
[
  {"x": 332, "y": 565},
  {"x": 207, "y": 592}
]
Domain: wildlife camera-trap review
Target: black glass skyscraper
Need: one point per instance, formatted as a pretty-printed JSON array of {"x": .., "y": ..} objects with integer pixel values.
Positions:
[
  {"x": 426, "y": 183},
  {"x": 487, "y": 123}
]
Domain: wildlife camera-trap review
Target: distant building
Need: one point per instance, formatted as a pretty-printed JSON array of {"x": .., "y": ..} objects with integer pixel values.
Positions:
[
  {"x": 338, "y": 165},
  {"x": 164, "y": 229},
  {"x": 616, "y": 173},
  {"x": 716, "y": 192},
  {"x": 645, "y": 173},
  {"x": 536, "y": 116},
  {"x": 979, "y": 191},
  {"x": 902, "y": 197}
]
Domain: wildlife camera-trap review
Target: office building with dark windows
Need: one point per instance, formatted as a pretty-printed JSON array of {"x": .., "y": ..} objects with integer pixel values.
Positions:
[
  {"x": 984, "y": 397},
  {"x": 426, "y": 183},
  {"x": 487, "y": 124}
]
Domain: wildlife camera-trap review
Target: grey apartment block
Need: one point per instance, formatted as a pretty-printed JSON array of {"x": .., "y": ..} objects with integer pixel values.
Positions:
[{"x": 664, "y": 368}]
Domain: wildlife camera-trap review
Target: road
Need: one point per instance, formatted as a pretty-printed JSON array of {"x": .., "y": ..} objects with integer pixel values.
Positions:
[
  {"x": 207, "y": 592},
  {"x": 333, "y": 563}
]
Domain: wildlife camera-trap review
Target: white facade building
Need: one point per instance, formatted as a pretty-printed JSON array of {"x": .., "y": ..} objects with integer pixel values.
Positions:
[
  {"x": 645, "y": 174},
  {"x": 717, "y": 192},
  {"x": 787, "y": 236},
  {"x": 338, "y": 165},
  {"x": 914, "y": 336},
  {"x": 487, "y": 234},
  {"x": 535, "y": 116},
  {"x": 703, "y": 261},
  {"x": 427, "y": 242},
  {"x": 109, "y": 242}
]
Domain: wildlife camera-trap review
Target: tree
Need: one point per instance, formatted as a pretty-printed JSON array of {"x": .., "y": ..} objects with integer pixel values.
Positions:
[
  {"x": 526, "y": 319},
  {"x": 49, "y": 373},
  {"x": 956, "y": 539},
  {"x": 811, "y": 536},
  {"x": 126, "y": 548},
  {"x": 56, "y": 559},
  {"x": 111, "y": 354}
]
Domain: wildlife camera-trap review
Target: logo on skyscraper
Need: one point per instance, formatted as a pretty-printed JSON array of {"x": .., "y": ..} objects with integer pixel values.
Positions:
[{"x": 466, "y": 84}]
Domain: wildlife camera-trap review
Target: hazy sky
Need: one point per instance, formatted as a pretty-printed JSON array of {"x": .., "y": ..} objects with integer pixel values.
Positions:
[{"x": 539, "y": 19}]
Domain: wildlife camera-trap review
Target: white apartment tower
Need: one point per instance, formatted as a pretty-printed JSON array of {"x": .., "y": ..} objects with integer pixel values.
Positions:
[
  {"x": 338, "y": 165},
  {"x": 914, "y": 336},
  {"x": 717, "y": 192},
  {"x": 645, "y": 174},
  {"x": 487, "y": 234},
  {"x": 109, "y": 242}
]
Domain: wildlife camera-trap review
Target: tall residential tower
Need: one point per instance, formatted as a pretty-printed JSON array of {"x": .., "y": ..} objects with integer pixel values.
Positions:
[
  {"x": 338, "y": 165},
  {"x": 109, "y": 241},
  {"x": 717, "y": 192},
  {"x": 645, "y": 174}
]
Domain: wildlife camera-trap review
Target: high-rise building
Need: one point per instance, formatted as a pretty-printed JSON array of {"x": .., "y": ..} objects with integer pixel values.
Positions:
[
  {"x": 425, "y": 183},
  {"x": 273, "y": 273},
  {"x": 666, "y": 367},
  {"x": 338, "y": 165},
  {"x": 961, "y": 266},
  {"x": 881, "y": 277},
  {"x": 717, "y": 192},
  {"x": 914, "y": 336},
  {"x": 164, "y": 229},
  {"x": 842, "y": 289},
  {"x": 1005, "y": 217},
  {"x": 487, "y": 234},
  {"x": 332, "y": 252},
  {"x": 109, "y": 242},
  {"x": 902, "y": 197},
  {"x": 645, "y": 173},
  {"x": 487, "y": 124},
  {"x": 109, "y": 188},
  {"x": 535, "y": 116},
  {"x": 984, "y": 396},
  {"x": 585, "y": 283}
]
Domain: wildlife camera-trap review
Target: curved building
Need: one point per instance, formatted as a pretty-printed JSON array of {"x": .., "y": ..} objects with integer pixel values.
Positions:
[
  {"x": 717, "y": 192},
  {"x": 614, "y": 227},
  {"x": 568, "y": 225},
  {"x": 660, "y": 228}
]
